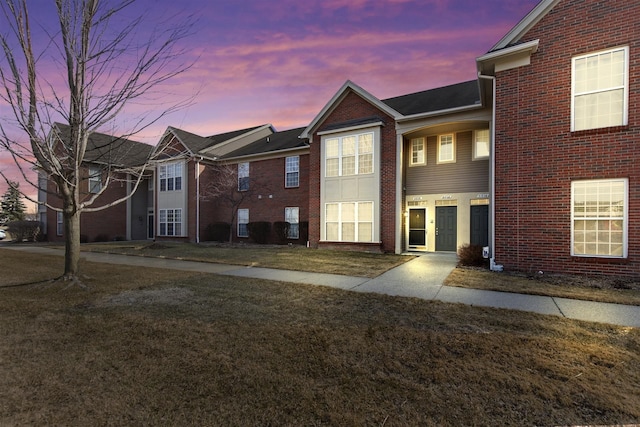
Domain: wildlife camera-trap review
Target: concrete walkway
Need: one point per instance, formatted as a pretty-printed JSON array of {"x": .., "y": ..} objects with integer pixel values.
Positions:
[{"x": 421, "y": 277}]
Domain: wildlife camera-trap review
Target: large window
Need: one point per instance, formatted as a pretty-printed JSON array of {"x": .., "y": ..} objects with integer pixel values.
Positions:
[
  {"x": 600, "y": 86},
  {"x": 243, "y": 176},
  {"x": 446, "y": 148},
  {"x": 349, "y": 155},
  {"x": 599, "y": 218},
  {"x": 95, "y": 179},
  {"x": 418, "y": 152},
  {"x": 59, "y": 223},
  {"x": 171, "y": 177},
  {"x": 349, "y": 222},
  {"x": 243, "y": 220},
  {"x": 291, "y": 215},
  {"x": 292, "y": 172},
  {"x": 481, "y": 144},
  {"x": 170, "y": 222}
]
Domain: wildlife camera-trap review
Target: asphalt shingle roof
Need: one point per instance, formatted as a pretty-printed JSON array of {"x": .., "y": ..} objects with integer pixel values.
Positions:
[
  {"x": 277, "y": 141},
  {"x": 197, "y": 143},
  {"x": 109, "y": 149},
  {"x": 442, "y": 98}
]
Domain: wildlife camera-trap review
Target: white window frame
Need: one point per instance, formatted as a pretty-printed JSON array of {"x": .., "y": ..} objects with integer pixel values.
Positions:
[
  {"x": 359, "y": 212},
  {"x": 292, "y": 172},
  {"x": 418, "y": 151},
  {"x": 292, "y": 216},
  {"x": 170, "y": 177},
  {"x": 601, "y": 221},
  {"x": 95, "y": 179},
  {"x": 59, "y": 224},
  {"x": 170, "y": 222},
  {"x": 243, "y": 176},
  {"x": 452, "y": 159},
  {"x": 363, "y": 161},
  {"x": 577, "y": 125},
  {"x": 481, "y": 138},
  {"x": 243, "y": 219}
]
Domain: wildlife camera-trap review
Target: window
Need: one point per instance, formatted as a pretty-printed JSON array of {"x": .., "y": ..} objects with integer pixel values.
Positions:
[
  {"x": 95, "y": 179},
  {"x": 418, "y": 153},
  {"x": 291, "y": 216},
  {"x": 243, "y": 220},
  {"x": 170, "y": 222},
  {"x": 59, "y": 223},
  {"x": 243, "y": 176},
  {"x": 446, "y": 149},
  {"x": 481, "y": 144},
  {"x": 599, "y": 218},
  {"x": 349, "y": 222},
  {"x": 349, "y": 155},
  {"x": 600, "y": 89},
  {"x": 292, "y": 172},
  {"x": 171, "y": 177}
]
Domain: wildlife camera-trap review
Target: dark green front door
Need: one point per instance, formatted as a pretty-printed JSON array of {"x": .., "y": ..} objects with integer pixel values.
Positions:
[
  {"x": 480, "y": 225},
  {"x": 417, "y": 227},
  {"x": 446, "y": 228}
]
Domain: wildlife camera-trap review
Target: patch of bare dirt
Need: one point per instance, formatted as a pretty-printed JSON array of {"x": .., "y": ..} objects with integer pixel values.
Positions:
[{"x": 168, "y": 296}]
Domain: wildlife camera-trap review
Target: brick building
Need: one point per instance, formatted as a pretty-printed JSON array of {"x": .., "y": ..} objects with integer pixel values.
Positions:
[{"x": 567, "y": 174}]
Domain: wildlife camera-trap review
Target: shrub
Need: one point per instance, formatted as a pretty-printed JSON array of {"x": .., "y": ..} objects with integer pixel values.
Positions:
[
  {"x": 119, "y": 239},
  {"x": 84, "y": 238},
  {"x": 471, "y": 255},
  {"x": 217, "y": 232},
  {"x": 259, "y": 231},
  {"x": 303, "y": 229},
  {"x": 101, "y": 238},
  {"x": 24, "y": 230},
  {"x": 281, "y": 230}
]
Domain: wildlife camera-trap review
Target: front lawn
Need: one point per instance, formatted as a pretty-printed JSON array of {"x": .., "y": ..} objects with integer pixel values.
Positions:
[{"x": 157, "y": 347}]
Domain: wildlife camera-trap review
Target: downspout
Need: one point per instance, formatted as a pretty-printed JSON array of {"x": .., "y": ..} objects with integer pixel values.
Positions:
[
  {"x": 198, "y": 199},
  {"x": 492, "y": 175}
]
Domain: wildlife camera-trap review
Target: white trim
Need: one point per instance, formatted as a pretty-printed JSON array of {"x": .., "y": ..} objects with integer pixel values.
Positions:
[
  {"x": 236, "y": 138},
  {"x": 424, "y": 151},
  {"x": 437, "y": 113},
  {"x": 508, "y": 58},
  {"x": 439, "y": 160},
  {"x": 531, "y": 19},
  {"x": 350, "y": 128},
  {"x": 625, "y": 87}
]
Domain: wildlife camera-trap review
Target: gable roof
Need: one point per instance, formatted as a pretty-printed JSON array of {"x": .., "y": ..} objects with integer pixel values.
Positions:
[
  {"x": 525, "y": 24},
  {"x": 196, "y": 143},
  {"x": 438, "y": 99},
  {"x": 278, "y": 141},
  {"x": 109, "y": 149}
]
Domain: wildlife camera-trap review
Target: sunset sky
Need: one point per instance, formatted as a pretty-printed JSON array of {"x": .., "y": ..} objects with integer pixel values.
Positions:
[{"x": 259, "y": 62}]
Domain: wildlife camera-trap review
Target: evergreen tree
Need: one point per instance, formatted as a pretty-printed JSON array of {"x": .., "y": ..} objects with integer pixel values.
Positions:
[{"x": 12, "y": 207}]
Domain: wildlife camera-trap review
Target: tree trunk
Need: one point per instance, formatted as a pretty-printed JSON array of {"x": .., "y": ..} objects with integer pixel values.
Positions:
[{"x": 71, "y": 218}]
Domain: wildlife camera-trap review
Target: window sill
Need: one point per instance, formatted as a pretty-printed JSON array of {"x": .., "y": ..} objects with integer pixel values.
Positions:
[
  {"x": 592, "y": 259},
  {"x": 600, "y": 131}
]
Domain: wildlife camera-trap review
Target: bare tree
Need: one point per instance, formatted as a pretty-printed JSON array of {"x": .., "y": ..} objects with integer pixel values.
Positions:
[
  {"x": 102, "y": 65},
  {"x": 227, "y": 190}
]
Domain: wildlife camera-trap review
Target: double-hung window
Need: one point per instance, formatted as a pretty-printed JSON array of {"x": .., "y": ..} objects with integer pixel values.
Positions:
[
  {"x": 59, "y": 223},
  {"x": 292, "y": 172},
  {"x": 600, "y": 89},
  {"x": 95, "y": 179},
  {"x": 349, "y": 222},
  {"x": 243, "y": 220},
  {"x": 446, "y": 148},
  {"x": 291, "y": 215},
  {"x": 170, "y": 222},
  {"x": 481, "y": 144},
  {"x": 170, "y": 177},
  {"x": 243, "y": 176},
  {"x": 418, "y": 152},
  {"x": 599, "y": 215},
  {"x": 349, "y": 155}
]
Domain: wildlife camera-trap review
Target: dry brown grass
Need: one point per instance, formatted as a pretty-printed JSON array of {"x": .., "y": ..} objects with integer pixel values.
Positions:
[
  {"x": 165, "y": 348},
  {"x": 602, "y": 289},
  {"x": 296, "y": 258}
]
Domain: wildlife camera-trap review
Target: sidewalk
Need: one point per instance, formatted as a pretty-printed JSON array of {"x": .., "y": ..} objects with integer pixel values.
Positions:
[{"x": 421, "y": 277}]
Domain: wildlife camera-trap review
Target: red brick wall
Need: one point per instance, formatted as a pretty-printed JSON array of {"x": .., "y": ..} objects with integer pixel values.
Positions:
[
  {"x": 350, "y": 108},
  {"x": 267, "y": 178},
  {"x": 537, "y": 155},
  {"x": 110, "y": 223}
]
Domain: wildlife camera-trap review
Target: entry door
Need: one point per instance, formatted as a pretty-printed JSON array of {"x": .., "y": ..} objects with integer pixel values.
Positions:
[
  {"x": 480, "y": 225},
  {"x": 417, "y": 227},
  {"x": 150, "y": 224},
  {"x": 446, "y": 228}
]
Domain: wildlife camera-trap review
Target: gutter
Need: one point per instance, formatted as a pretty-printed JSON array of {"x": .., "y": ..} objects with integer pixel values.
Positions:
[
  {"x": 492, "y": 175},
  {"x": 198, "y": 199}
]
